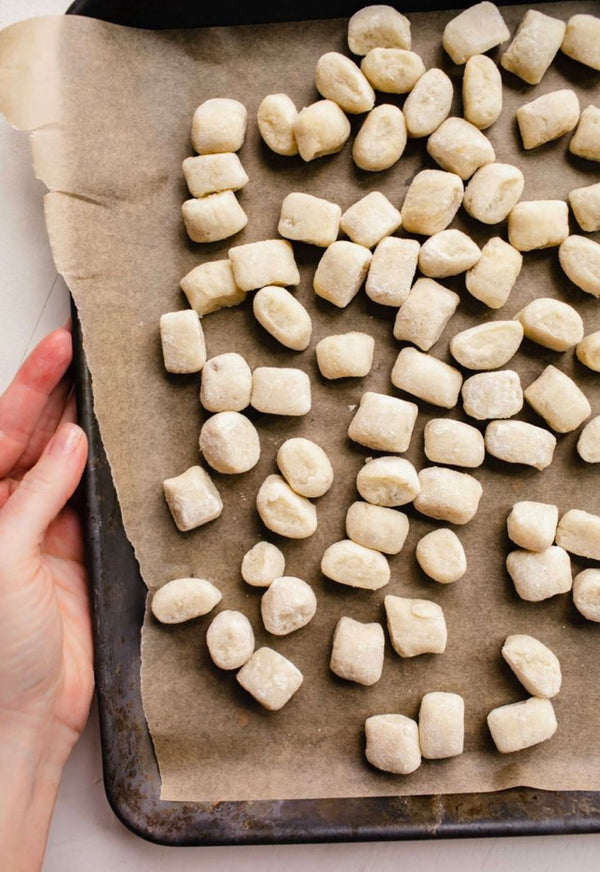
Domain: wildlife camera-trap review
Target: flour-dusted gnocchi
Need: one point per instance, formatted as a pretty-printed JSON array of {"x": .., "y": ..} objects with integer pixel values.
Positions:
[
  {"x": 428, "y": 104},
  {"x": 378, "y": 26},
  {"x": 383, "y": 423},
  {"x": 427, "y": 378},
  {"x": 586, "y": 594},
  {"x": 474, "y": 31},
  {"x": 586, "y": 139},
  {"x": 341, "y": 272},
  {"x": 482, "y": 91},
  {"x": 211, "y": 173},
  {"x": 493, "y": 191},
  {"x": 283, "y": 511},
  {"x": 306, "y": 218},
  {"x": 262, "y": 564},
  {"x": 551, "y": 323},
  {"x": 539, "y": 575},
  {"x": 460, "y": 147},
  {"x": 588, "y": 351},
  {"x": 447, "y": 495},
  {"x": 357, "y": 651},
  {"x": 377, "y": 527},
  {"x": 321, "y": 129},
  {"x": 226, "y": 383},
  {"x": 489, "y": 395},
  {"x": 280, "y": 390},
  {"x": 416, "y": 626},
  {"x": 580, "y": 260},
  {"x": 392, "y": 70},
  {"x": 582, "y": 40},
  {"x": 182, "y": 340},
  {"x": 183, "y": 599},
  {"x": 367, "y": 221},
  {"x": 520, "y": 442},
  {"x": 192, "y": 498},
  {"x": 393, "y": 743},
  {"x": 441, "y": 556},
  {"x": 488, "y": 345},
  {"x": 520, "y": 725},
  {"x": 588, "y": 444},
  {"x": 424, "y": 314},
  {"x": 229, "y": 442},
  {"x": 493, "y": 277},
  {"x": 283, "y": 316},
  {"x": 230, "y": 639},
  {"x": 432, "y": 200},
  {"x": 441, "y": 725},
  {"x": 578, "y": 532},
  {"x": 268, "y": 262},
  {"x": 392, "y": 270},
  {"x": 219, "y": 126},
  {"x": 448, "y": 253},
  {"x": 388, "y": 481},
  {"x": 305, "y": 467},
  {"x": 212, "y": 218},
  {"x": 538, "y": 224},
  {"x": 288, "y": 604},
  {"x": 534, "y": 664},
  {"x": 276, "y": 118},
  {"x": 381, "y": 140},
  {"x": 585, "y": 204},
  {"x": 270, "y": 678},
  {"x": 534, "y": 46},
  {"x": 453, "y": 442},
  {"x": 559, "y": 401},
  {"x": 355, "y": 566},
  {"x": 548, "y": 117},
  {"x": 338, "y": 78},
  {"x": 211, "y": 286},
  {"x": 532, "y": 525},
  {"x": 345, "y": 355}
]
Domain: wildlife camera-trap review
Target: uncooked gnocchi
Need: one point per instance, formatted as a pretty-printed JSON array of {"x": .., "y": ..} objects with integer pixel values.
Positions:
[
  {"x": 305, "y": 467},
  {"x": 288, "y": 604},
  {"x": 183, "y": 599},
  {"x": 229, "y": 442},
  {"x": 283, "y": 511},
  {"x": 357, "y": 651},
  {"x": 383, "y": 423},
  {"x": 355, "y": 566}
]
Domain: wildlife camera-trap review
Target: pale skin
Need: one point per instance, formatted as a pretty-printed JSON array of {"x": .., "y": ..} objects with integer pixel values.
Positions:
[{"x": 46, "y": 673}]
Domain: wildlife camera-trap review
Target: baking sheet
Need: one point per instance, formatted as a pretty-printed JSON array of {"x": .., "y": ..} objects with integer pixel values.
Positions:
[{"x": 117, "y": 237}]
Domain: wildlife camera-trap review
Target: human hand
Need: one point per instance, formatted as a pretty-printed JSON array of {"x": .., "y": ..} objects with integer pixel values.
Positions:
[{"x": 46, "y": 674}]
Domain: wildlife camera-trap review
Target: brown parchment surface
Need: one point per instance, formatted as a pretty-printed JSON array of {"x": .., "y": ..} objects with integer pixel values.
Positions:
[{"x": 110, "y": 109}]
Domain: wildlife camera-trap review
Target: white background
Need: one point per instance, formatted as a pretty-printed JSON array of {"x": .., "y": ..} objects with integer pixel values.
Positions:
[{"x": 85, "y": 835}]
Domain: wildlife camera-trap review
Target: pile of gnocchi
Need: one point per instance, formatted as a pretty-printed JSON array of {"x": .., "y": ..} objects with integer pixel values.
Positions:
[{"x": 371, "y": 256}]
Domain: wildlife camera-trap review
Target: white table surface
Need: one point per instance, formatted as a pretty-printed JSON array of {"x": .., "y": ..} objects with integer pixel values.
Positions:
[{"x": 85, "y": 834}]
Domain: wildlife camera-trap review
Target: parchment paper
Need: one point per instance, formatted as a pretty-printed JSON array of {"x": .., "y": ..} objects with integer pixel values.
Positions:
[{"x": 110, "y": 111}]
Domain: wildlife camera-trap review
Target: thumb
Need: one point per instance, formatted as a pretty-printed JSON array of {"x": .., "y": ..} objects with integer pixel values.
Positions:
[{"x": 43, "y": 492}]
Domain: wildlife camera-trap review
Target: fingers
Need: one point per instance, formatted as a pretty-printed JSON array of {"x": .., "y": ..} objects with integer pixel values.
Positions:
[
  {"x": 48, "y": 422},
  {"x": 42, "y": 494},
  {"x": 24, "y": 401},
  {"x": 64, "y": 537},
  {"x": 69, "y": 414}
]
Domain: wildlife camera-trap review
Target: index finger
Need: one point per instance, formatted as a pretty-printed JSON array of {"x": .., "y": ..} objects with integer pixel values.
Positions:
[{"x": 25, "y": 399}]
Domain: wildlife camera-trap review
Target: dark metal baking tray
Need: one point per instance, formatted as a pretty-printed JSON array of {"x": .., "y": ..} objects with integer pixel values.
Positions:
[{"x": 131, "y": 774}]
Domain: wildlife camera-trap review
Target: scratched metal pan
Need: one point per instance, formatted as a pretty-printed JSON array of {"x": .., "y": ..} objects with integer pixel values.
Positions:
[{"x": 130, "y": 771}]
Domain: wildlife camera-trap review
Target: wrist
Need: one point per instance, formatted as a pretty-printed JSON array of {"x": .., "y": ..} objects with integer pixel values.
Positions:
[
  {"x": 32, "y": 756},
  {"x": 37, "y": 739}
]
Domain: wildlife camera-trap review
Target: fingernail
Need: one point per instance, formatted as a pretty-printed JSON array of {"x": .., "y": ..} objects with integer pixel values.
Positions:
[{"x": 65, "y": 440}]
